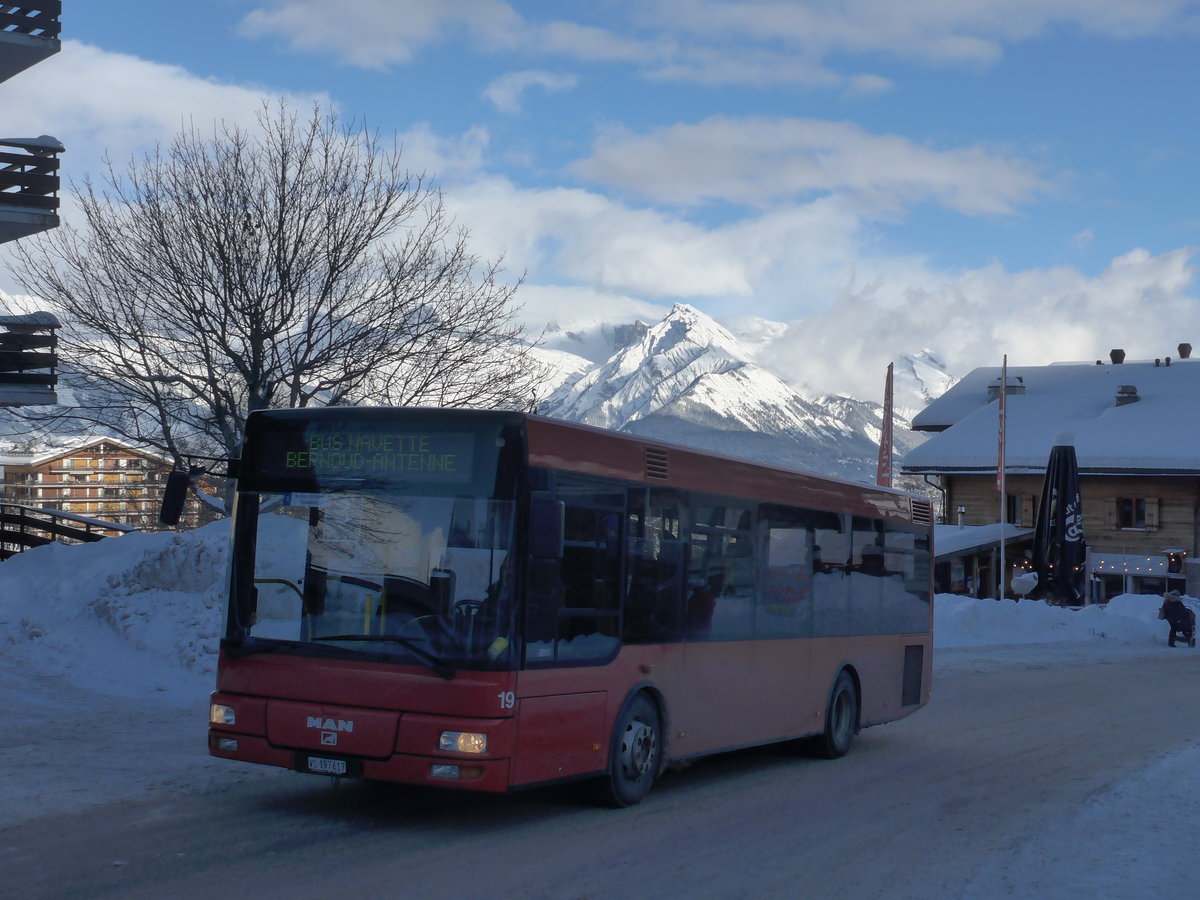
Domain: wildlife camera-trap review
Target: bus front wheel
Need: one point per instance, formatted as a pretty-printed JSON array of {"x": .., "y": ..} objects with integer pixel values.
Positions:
[
  {"x": 841, "y": 719},
  {"x": 635, "y": 757}
]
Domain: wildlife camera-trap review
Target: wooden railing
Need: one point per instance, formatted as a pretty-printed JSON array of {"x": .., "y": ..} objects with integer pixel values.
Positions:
[
  {"x": 23, "y": 527},
  {"x": 28, "y": 361},
  {"x": 29, "y": 174},
  {"x": 36, "y": 19}
]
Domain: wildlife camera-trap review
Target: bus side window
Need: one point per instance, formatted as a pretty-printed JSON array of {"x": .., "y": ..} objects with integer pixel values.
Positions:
[
  {"x": 831, "y": 581},
  {"x": 722, "y": 594},
  {"x": 789, "y": 562},
  {"x": 867, "y": 577},
  {"x": 654, "y": 568}
]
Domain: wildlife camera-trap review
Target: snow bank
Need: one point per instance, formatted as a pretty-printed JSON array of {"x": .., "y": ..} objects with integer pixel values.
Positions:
[
  {"x": 124, "y": 616},
  {"x": 142, "y": 613},
  {"x": 1129, "y": 620}
]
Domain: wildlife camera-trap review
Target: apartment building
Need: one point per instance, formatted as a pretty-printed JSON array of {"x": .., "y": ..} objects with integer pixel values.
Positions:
[{"x": 100, "y": 478}]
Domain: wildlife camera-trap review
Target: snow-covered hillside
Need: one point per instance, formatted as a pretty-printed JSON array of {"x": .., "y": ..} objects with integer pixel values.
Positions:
[{"x": 689, "y": 380}]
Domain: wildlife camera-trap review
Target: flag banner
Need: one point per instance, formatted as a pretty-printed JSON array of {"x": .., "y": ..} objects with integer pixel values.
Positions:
[{"x": 883, "y": 474}]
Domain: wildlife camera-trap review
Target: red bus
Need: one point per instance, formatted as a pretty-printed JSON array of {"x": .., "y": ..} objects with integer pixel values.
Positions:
[{"x": 494, "y": 600}]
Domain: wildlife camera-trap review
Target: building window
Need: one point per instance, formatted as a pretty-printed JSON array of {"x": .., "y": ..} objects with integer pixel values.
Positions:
[
  {"x": 1019, "y": 509},
  {"x": 1131, "y": 512}
]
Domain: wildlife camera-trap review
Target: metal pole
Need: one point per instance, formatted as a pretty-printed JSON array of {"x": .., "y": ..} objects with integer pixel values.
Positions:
[{"x": 1000, "y": 480}]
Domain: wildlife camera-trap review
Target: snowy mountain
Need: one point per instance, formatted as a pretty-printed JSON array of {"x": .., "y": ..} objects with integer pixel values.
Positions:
[{"x": 689, "y": 380}]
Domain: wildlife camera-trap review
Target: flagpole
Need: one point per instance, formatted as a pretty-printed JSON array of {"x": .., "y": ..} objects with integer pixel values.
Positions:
[
  {"x": 1000, "y": 481},
  {"x": 883, "y": 473}
]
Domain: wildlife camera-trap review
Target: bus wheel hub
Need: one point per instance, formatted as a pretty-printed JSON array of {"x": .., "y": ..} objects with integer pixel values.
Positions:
[{"x": 638, "y": 749}]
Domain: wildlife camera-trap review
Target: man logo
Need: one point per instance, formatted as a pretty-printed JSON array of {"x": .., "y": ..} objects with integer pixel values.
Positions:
[
  {"x": 346, "y": 725},
  {"x": 329, "y": 738}
]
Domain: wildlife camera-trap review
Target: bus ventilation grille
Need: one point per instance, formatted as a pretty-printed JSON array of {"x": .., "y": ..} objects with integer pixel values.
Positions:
[
  {"x": 922, "y": 512},
  {"x": 656, "y": 463}
]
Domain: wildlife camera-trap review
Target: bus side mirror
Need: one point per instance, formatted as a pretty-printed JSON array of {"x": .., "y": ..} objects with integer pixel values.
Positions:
[
  {"x": 547, "y": 522},
  {"x": 173, "y": 496}
]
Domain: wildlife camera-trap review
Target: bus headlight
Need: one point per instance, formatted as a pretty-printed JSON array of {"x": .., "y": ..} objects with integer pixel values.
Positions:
[
  {"x": 219, "y": 714},
  {"x": 463, "y": 741}
]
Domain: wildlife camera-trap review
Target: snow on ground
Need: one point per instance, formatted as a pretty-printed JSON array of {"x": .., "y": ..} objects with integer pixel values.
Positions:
[{"x": 84, "y": 630}]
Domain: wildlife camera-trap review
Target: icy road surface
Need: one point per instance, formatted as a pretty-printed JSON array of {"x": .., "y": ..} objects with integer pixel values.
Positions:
[{"x": 1035, "y": 771}]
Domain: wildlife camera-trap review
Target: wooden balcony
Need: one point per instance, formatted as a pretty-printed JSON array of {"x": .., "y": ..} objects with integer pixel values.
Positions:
[
  {"x": 28, "y": 362},
  {"x": 28, "y": 185},
  {"x": 28, "y": 34}
]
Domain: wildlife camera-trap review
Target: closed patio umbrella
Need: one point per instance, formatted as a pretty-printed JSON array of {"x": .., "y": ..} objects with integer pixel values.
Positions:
[{"x": 1059, "y": 550}]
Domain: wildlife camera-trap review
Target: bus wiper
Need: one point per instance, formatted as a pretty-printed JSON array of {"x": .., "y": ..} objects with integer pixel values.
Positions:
[{"x": 436, "y": 663}]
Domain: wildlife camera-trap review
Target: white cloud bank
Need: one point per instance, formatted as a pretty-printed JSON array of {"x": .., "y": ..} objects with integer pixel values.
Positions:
[
  {"x": 748, "y": 42},
  {"x": 1140, "y": 302},
  {"x": 761, "y": 161},
  {"x": 97, "y": 101}
]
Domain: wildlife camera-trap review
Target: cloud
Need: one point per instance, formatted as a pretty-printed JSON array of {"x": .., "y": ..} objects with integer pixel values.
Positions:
[
  {"x": 572, "y": 236},
  {"x": 376, "y": 34},
  {"x": 444, "y": 159},
  {"x": 506, "y": 92},
  {"x": 759, "y": 161},
  {"x": 102, "y": 103},
  {"x": 569, "y": 307},
  {"x": 954, "y": 32},
  {"x": 1140, "y": 301},
  {"x": 748, "y": 42},
  {"x": 868, "y": 86},
  {"x": 99, "y": 102},
  {"x": 1082, "y": 240},
  {"x": 788, "y": 262}
]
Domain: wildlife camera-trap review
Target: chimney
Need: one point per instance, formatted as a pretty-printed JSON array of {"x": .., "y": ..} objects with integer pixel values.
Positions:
[
  {"x": 1117, "y": 356},
  {"x": 1014, "y": 385},
  {"x": 1127, "y": 393},
  {"x": 1185, "y": 351}
]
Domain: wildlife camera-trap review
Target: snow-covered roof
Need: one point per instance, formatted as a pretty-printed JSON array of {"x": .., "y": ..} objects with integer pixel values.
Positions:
[
  {"x": 956, "y": 540},
  {"x": 1159, "y": 433}
]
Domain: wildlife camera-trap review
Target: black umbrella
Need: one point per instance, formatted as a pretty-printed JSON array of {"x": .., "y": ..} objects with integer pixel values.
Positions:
[{"x": 1058, "y": 546}]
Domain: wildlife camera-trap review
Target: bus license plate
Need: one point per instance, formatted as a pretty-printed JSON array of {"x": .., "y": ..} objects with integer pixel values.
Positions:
[{"x": 326, "y": 766}]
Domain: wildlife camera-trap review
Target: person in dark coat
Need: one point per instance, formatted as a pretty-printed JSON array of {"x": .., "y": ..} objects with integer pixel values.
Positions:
[{"x": 1181, "y": 619}]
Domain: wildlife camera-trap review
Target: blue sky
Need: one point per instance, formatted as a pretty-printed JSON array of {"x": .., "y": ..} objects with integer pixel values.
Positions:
[{"x": 977, "y": 177}]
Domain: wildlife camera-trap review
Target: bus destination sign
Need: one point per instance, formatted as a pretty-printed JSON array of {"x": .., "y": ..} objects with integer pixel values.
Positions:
[{"x": 413, "y": 455}]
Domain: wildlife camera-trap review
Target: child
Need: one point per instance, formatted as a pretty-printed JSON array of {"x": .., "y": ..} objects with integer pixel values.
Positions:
[{"x": 1181, "y": 619}]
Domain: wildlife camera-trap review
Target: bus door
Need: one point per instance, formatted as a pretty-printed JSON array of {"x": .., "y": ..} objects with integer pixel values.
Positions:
[{"x": 572, "y": 627}]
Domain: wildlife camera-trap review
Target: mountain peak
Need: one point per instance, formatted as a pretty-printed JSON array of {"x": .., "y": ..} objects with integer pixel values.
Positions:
[{"x": 686, "y": 378}]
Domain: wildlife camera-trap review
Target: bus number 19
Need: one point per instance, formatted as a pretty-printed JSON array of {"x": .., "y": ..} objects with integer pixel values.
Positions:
[{"x": 507, "y": 699}]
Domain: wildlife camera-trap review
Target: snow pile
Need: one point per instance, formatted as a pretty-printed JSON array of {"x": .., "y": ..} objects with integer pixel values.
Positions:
[
  {"x": 122, "y": 616},
  {"x": 1130, "y": 619}
]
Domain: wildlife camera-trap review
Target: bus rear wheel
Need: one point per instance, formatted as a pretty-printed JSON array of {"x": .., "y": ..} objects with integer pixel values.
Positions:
[
  {"x": 635, "y": 757},
  {"x": 841, "y": 719}
]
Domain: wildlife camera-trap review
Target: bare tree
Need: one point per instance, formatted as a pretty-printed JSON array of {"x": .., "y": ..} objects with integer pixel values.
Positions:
[{"x": 290, "y": 265}]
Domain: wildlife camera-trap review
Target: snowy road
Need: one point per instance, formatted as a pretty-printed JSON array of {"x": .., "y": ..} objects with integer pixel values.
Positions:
[{"x": 1020, "y": 779}]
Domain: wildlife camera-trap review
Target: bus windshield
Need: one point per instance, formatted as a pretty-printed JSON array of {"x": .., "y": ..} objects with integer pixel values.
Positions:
[
  {"x": 427, "y": 580},
  {"x": 379, "y": 533}
]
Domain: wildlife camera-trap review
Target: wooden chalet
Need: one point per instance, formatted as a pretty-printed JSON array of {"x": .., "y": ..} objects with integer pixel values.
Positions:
[{"x": 1135, "y": 425}]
